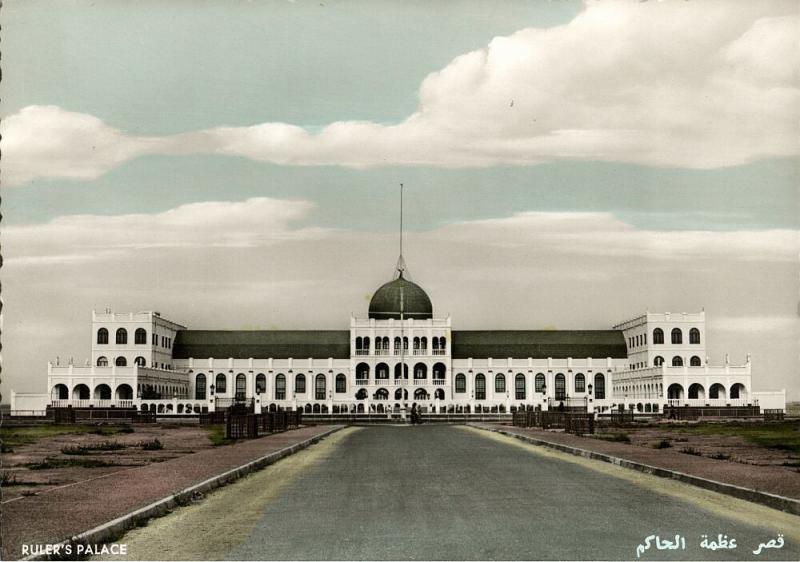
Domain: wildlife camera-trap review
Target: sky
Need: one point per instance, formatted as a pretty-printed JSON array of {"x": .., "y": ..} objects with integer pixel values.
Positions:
[{"x": 235, "y": 165}]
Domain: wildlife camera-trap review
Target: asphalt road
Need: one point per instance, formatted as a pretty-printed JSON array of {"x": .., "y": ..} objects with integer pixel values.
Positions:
[{"x": 452, "y": 493}]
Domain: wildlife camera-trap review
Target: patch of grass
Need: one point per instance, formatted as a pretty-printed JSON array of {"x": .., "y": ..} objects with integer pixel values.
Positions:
[
  {"x": 216, "y": 434},
  {"x": 53, "y": 462},
  {"x": 25, "y": 435},
  {"x": 663, "y": 444},
  {"x": 154, "y": 445},
  {"x": 720, "y": 456},
  {"x": 784, "y": 436},
  {"x": 615, "y": 437},
  {"x": 691, "y": 451},
  {"x": 5, "y": 448}
]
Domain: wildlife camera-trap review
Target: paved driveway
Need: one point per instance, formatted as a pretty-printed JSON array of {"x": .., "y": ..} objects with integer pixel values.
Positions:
[{"x": 456, "y": 493}]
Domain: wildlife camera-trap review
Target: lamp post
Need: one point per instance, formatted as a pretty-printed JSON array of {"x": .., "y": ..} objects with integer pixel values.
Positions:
[{"x": 544, "y": 397}]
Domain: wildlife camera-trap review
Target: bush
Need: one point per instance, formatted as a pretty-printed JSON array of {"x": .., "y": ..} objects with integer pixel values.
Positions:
[
  {"x": 663, "y": 444},
  {"x": 154, "y": 445},
  {"x": 5, "y": 448},
  {"x": 720, "y": 456},
  {"x": 86, "y": 449},
  {"x": 691, "y": 451}
]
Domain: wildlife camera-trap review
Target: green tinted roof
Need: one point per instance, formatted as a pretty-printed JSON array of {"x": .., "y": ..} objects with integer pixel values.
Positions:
[
  {"x": 520, "y": 344},
  {"x": 262, "y": 344}
]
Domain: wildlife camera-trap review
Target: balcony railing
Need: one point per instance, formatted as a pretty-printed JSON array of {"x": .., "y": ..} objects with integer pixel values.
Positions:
[
  {"x": 438, "y": 351},
  {"x": 420, "y": 382},
  {"x": 362, "y": 351},
  {"x": 362, "y": 382},
  {"x": 423, "y": 351},
  {"x": 714, "y": 402},
  {"x": 93, "y": 403},
  {"x": 438, "y": 382}
]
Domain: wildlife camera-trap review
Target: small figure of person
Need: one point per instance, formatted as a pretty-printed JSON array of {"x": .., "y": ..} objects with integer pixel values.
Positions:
[{"x": 414, "y": 413}]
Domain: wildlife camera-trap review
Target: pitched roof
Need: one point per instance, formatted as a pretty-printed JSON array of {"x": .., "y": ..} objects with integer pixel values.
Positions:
[
  {"x": 519, "y": 344},
  {"x": 262, "y": 344}
]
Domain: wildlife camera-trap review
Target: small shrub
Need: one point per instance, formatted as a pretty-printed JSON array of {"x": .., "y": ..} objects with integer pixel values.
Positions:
[
  {"x": 51, "y": 462},
  {"x": 126, "y": 429},
  {"x": 7, "y": 479},
  {"x": 691, "y": 451},
  {"x": 720, "y": 456},
  {"x": 74, "y": 450},
  {"x": 663, "y": 444},
  {"x": 28, "y": 493},
  {"x": 5, "y": 448},
  {"x": 154, "y": 445}
]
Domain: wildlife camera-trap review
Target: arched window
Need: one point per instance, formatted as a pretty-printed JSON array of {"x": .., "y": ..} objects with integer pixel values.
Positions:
[
  {"x": 561, "y": 386},
  {"x": 404, "y": 370},
  {"x": 695, "y": 361},
  {"x": 658, "y": 335},
  {"x": 539, "y": 382},
  {"x": 241, "y": 386},
  {"x": 519, "y": 386},
  {"x": 397, "y": 341},
  {"x": 677, "y": 361},
  {"x": 500, "y": 383},
  {"x": 386, "y": 345},
  {"x": 423, "y": 344},
  {"x": 366, "y": 344},
  {"x": 658, "y": 361},
  {"x": 381, "y": 371},
  {"x": 738, "y": 391},
  {"x": 200, "y": 387},
  {"x": 420, "y": 371},
  {"x": 439, "y": 370},
  {"x": 599, "y": 386},
  {"x": 280, "y": 387},
  {"x": 341, "y": 383},
  {"x": 319, "y": 387},
  {"x": 696, "y": 392},
  {"x": 140, "y": 336},
  {"x": 580, "y": 383},
  {"x": 716, "y": 392},
  {"x": 300, "y": 383},
  {"x": 677, "y": 336},
  {"x": 261, "y": 383},
  {"x": 221, "y": 384},
  {"x": 102, "y": 361},
  {"x": 120, "y": 361},
  {"x": 694, "y": 335},
  {"x": 480, "y": 387},
  {"x": 59, "y": 392},
  {"x": 359, "y": 343},
  {"x": 461, "y": 383},
  {"x": 102, "y": 392},
  {"x": 416, "y": 346},
  {"x": 102, "y": 335},
  {"x": 122, "y": 336},
  {"x": 381, "y": 394},
  {"x": 140, "y": 361}
]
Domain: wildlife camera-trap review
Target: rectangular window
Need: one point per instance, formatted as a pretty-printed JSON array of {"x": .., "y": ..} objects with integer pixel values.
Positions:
[{"x": 520, "y": 388}]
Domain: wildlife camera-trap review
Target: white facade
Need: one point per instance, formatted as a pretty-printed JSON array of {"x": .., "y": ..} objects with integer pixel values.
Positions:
[{"x": 392, "y": 363}]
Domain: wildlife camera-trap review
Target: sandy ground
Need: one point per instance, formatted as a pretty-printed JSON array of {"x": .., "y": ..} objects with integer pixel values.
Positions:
[{"x": 177, "y": 440}]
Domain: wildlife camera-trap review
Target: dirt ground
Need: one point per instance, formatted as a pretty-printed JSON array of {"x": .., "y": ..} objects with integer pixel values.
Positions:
[
  {"x": 33, "y": 467},
  {"x": 751, "y": 443}
]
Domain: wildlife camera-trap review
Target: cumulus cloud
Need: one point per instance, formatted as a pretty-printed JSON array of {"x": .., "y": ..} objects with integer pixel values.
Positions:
[{"x": 691, "y": 84}]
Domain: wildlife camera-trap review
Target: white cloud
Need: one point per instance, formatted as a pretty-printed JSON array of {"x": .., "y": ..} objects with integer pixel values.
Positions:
[
  {"x": 259, "y": 221},
  {"x": 692, "y": 84}
]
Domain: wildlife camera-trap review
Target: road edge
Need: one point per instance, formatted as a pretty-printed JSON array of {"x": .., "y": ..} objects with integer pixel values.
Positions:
[
  {"x": 110, "y": 530},
  {"x": 774, "y": 501}
]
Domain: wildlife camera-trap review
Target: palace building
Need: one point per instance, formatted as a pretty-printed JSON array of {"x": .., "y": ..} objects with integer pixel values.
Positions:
[{"x": 397, "y": 354}]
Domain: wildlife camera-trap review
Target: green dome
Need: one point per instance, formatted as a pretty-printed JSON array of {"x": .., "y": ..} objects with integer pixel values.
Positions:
[{"x": 385, "y": 302}]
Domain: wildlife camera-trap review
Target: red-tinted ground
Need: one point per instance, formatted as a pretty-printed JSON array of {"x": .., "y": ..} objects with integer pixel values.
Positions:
[
  {"x": 22, "y": 475},
  {"x": 750, "y": 465},
  {"x": 98, "y": 495}
]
